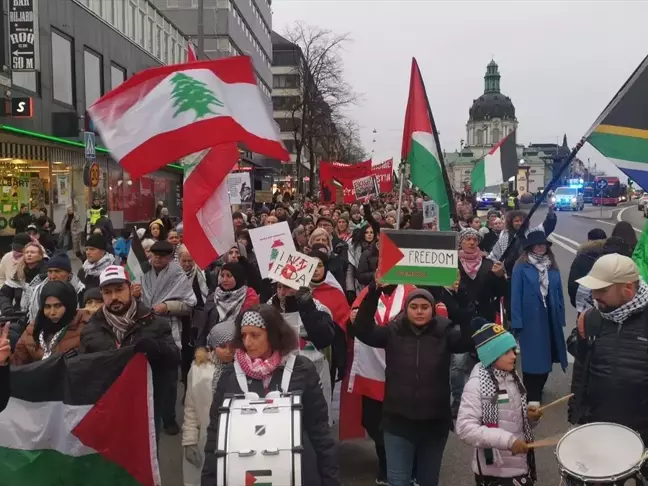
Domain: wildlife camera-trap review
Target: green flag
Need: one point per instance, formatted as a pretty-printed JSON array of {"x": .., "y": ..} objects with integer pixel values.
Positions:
[{"x": 640, "y": 255}]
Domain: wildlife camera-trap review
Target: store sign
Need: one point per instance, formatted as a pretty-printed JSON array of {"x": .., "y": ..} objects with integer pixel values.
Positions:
[
  {"x": 22, "y": 107},
  {"x": 23, "y": 39},
  {"x": 91, "y": 174}
]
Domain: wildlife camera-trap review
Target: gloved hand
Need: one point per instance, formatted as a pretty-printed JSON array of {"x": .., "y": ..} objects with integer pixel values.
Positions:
[
  {"x": 304, "y": 294},
  {"x": 193, "y": 456},
  {"x": 147, "y": 346}
]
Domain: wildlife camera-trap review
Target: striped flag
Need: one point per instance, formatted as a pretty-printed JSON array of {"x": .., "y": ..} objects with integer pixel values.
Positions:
[
  {"x": 81, "y": 420},
  {"x": 163, "y": 114},
  {"x": 137, "y": 264},
  {"x": 497, "y": 167}
]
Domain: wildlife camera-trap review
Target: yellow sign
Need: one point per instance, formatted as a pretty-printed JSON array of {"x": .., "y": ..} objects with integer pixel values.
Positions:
[{"x": 95, "y": 173}]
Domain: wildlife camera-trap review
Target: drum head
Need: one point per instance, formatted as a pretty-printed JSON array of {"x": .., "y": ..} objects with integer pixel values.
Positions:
[{"x": 600, "y": 451}]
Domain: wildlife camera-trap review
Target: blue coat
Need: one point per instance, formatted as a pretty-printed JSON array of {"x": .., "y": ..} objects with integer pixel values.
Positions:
[{"x": 530, "y": 319}]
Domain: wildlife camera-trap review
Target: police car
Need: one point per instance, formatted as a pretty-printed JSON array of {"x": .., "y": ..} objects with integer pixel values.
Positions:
[
  {"x": 569, "y": 198},
  {"x": 488, "y": 200}
]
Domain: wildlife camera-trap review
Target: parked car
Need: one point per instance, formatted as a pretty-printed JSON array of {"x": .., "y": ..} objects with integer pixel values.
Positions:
[{"x": 642, "y": 201}]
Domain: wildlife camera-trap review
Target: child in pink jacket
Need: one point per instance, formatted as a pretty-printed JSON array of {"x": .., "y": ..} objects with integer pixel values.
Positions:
[{"x": 494, "y": 416}]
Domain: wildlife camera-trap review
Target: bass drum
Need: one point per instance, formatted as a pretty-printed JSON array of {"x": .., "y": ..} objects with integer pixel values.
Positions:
[
  {"x": 601, "y": 453},
  {"x": 259, "y": 441}
]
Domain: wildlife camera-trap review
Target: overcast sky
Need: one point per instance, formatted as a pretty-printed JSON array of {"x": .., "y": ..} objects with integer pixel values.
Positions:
[{"x": 561, "y": 61}]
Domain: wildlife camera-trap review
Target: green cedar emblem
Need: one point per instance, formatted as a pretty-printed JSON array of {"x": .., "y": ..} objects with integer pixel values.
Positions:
[{"x": 191, "y": 94}]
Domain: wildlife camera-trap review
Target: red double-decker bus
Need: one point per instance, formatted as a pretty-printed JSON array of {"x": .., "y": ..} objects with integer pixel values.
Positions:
[{"x": 610, "y": 196}]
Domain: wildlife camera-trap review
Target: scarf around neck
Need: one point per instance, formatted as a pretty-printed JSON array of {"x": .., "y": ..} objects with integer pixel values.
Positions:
[
  {"x": 96, "y": 268},
  {"x": 258, "y": 369},
  {"x": 492, "y": 396},
  {"x": 637, "y": 304},
  {"x": 542, "y": 264},
  {"x": 471, "y": 262},
  {"x": 121, "y": 324},
  {"x": 229, "y": 302}
]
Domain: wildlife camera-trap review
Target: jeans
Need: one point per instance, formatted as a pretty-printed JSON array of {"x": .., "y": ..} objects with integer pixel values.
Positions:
[
  {"x": 461, "y": 366},
  {"x": 401, "y": 452}
]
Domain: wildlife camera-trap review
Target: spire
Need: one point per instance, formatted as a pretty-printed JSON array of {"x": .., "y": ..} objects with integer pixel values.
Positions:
[
  {"x": 564, "y": 144},
  {"x": 492, "y": 78}
]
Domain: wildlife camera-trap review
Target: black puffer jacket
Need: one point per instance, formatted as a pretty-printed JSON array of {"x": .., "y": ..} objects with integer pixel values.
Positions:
[
  {"x": 488, "y": 241},
  {"x": 587, "y": 254},
  {"x": 367, "y": 265},
  {"x": 417, "y": 373},
  {"x": 319, "y": 459},
  {"x": 617, "y": 381}
]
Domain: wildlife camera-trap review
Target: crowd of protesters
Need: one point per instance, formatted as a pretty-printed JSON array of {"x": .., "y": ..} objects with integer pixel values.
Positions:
[{"x": 446, "y": 350}]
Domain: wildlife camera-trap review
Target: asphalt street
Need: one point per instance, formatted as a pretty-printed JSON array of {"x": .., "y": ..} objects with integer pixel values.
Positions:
[{"x": 357, "y": 458}]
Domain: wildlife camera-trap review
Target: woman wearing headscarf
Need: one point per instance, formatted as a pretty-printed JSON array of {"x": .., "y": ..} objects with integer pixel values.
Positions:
[
  {"x": 538, "y": 314},
  {"x": 264, "y": 350},
  {"x": 336, "y": 264},
  {"x": 416, "y": 410},
  {"x": 57, "y": 327},
  {"x": 231, "y": 297}
]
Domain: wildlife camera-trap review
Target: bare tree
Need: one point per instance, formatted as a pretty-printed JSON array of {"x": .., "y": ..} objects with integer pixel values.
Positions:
[{"x": 323, "y": 93}]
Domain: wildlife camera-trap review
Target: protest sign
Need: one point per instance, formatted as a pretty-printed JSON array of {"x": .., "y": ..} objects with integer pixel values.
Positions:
[
  {"x": 268, "y": 241},
  {"x": 418, "y": 257},
  {"x": 293, "y": 269},
  {"x": 365, "y": 187},
  {"x": 430, "y": 212},
  {"x": 384, "y": 174},
  {"x": 343, "y": 174},
  {"x": 239, "y": 187}
]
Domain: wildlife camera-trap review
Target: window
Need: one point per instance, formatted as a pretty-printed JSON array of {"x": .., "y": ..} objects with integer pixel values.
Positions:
[
  {"x": 62, "y": 69},
  {"x": 133, "y": 22},
  {"x": 93, "y": 79},
  {"x": 108, "y": 10},
  {"x": 25, "y": 80},
  {"x": 119, "y": 15},
  {"x": 480, "y": 137},
  {"x": 158, "y": 41},
  {"x": 285, "y": 81},
  {"x": 151, "y": 32},
  {"x": 117, "y": 76},
  {"x": 165, "y": 47},
  {"x": 496, "y": 135},
  {"x": 141, "y": 33},
  {"x": 95, "y": 6}
]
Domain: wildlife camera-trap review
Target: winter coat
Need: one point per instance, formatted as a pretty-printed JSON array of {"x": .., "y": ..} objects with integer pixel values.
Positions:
[
  {"x": 21, "y": 221},
  {"x": 7, "y": 267},
  {"x": 483, "y": 292},
  {"x": 510, "y": 427},
  {"x": 367, "y": 265},
  {"x": 5, "y": 388},
  {"x": 617, "y": 383},
  {"x": 197, "y": 404},
  {"x": 488, "y": 241},
  {"x": 206, "y": 319},
  {"x": 27, "y": 351},
  {"x": 587, "y": 254},
  {"x": 319, "y": 458},
  {"x": 417, "y": 383},
  {"x": 538, "y": 328}
]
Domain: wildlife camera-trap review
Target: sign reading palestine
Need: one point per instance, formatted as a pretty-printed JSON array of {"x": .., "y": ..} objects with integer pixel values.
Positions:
[{"x": 418, "y": 257}]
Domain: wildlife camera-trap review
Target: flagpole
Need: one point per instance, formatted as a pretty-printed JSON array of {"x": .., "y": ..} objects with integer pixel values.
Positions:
[
  {"x": 201, "y": 30},
  {"x": 554, "y": 180},
  {"x": 444, "y": 172},
  {"x": 400, "y": 194}
]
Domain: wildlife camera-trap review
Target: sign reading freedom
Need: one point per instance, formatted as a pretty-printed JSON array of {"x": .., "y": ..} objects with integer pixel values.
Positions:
[{"x": 418, "y": 257}]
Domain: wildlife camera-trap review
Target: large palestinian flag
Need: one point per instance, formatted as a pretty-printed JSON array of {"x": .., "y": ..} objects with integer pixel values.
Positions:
[
  {"x": 80, "y": 421},
  {"x": 621, "y": 132},
  {"x": 421, "y": 148},
  {"x": 497, "y": 167},
  {"x": 418, "y": 257}
]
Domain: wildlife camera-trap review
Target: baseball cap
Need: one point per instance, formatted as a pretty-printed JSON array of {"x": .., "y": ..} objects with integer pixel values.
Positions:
[
  {"x": 609, "y": 270},
  {"x": 113, "y": 274}
]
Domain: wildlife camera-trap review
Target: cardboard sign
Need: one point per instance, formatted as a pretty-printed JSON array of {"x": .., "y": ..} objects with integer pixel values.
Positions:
[
  {"x": 293, "y": 269},
  {"x": 239, "y": 187},
  {"x": 365, "y": 187},
  {"x": 418, "y": 257},
  {"x": 268, "y": 241},
  {"x": 430, "y": 212}
]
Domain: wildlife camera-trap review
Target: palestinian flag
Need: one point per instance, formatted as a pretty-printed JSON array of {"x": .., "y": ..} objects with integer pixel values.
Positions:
[
  {"x": 163, "y": 114},
  {"x": 79, "y": 421},
  {"x": 259, "y": 477},
  {"x": 137, "y": 264},
  {"x": 421, "y": 148},
  {"x": 418, "y": 257},
  {"x": 497, "y": 167},
  {"x": 640, "y": 255},
  {"x": 621, "y": 132}
]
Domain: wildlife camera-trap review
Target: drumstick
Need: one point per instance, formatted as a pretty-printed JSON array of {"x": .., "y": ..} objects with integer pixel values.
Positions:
[
  {"x": 556, "y": 402},
  {"x": 548, "y": 442}
]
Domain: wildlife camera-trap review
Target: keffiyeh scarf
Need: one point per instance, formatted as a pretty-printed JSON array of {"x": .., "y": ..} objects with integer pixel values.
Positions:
[
  {"x": 48, "y": 346},
  {"x": 121, "y": 324},
  {"x": 258, "y": 369},
  {"x": 96, "y": 268},
  {"x": 542, "y": 264},
  {"x": 197, "y": 273},
  {"x": 489, "y": 379},
  {"x": 638, "y": 303},
  {"x": 229, "y": 302},
  {"x": 471, "y": 262}
]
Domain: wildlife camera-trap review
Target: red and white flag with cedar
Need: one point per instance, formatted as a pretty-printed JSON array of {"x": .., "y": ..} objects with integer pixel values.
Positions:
[{"x": 163, "y": 114}]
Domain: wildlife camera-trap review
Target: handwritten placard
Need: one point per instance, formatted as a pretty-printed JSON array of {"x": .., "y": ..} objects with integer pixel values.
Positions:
[{"x": 293, "y": 269}]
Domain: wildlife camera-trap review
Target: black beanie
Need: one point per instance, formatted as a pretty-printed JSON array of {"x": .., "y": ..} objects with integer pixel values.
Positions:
[
  {"x": 96, "y": 241},
  {"x": 320, "y": 251},
  {"x": 237, "y": 271},
  {"x": 93, "y": 293},
  {"x": 60, "y": 261}
]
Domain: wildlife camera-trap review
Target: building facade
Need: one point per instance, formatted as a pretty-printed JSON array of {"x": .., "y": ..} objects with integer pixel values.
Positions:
[
  {"x": 85, "y": 49},
  {"x": 232, "y": 28}
]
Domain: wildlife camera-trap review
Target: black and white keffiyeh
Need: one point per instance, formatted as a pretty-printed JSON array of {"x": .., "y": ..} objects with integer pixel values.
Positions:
[
  {"x": 637, "y": 304},
  {"x": 96, "y": 268},
  {"x": 542, "y": 263}
]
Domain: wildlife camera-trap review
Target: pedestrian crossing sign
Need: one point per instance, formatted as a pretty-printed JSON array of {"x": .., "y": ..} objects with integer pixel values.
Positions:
[{"x": 90, "y": 148}]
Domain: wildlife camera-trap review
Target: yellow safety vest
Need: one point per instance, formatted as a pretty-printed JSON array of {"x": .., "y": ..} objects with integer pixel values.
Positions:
[
  {"x": 511, "y": 202},
  {"x": 95, "y": 214}
]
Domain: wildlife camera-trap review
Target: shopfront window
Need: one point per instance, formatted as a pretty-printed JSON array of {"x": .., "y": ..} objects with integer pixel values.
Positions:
[{"x": 138, "y": 199}]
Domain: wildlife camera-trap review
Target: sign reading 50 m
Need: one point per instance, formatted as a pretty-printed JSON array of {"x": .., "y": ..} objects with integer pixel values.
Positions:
[{"x": 23, "y": 35}]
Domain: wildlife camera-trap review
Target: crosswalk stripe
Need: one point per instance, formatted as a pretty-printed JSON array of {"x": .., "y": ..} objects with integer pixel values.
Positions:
[
  {"x": 575, "y": 243},
  {"x": 555, "y": 240}
]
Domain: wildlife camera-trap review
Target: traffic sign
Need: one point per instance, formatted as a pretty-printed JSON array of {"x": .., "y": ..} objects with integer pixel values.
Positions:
[
  {"x": 89, "y": 142},
  {"x": 602, "y": 184}
]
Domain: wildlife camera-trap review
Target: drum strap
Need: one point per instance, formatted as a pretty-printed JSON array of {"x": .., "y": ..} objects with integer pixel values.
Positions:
[{"x": 241, "y": 378}]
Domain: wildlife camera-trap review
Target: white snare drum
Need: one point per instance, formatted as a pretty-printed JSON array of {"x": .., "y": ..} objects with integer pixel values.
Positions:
[{"x": 602, "y": 453}]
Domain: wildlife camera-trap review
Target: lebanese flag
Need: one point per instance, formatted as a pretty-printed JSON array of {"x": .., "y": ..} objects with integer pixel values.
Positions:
[
  {"x": 163, "y": 114},
  {"x": 191, "y": 54},
  {"x": 330, "y": 294},
  {"x": 497, "y": 167},
  {"x": 86, "y": 419}
]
